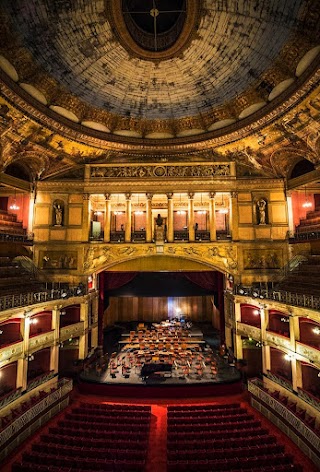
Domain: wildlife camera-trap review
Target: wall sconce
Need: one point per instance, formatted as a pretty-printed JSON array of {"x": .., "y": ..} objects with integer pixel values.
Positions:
[
  {"x": 1, "y": 332},
  {"x": 316, "y": 330},
  {"x": 14, "y": 206},
  {"x": 30, "y": 357},
  {"x": 288, "y": 357},
  {"x": 307, "y": 203},
  {"x": 63, "y": 312},
  {"x": 284, "y": 320},
  {"x": 256, "y": 312}
]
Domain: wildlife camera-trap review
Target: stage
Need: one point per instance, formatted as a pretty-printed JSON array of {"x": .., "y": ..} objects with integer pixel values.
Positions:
[{"x": 159, "y": 361}]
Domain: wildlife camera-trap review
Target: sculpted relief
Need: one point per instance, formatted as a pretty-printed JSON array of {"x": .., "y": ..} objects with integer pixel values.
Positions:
[
  {"x": 149, "y": 171},
  {"x": 220, "y": 256}
]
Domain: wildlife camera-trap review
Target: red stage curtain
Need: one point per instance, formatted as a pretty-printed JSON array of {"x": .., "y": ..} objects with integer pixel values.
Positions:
[
  {"x": 113, "y": 280},
  {"x": 206, "y": 280}
]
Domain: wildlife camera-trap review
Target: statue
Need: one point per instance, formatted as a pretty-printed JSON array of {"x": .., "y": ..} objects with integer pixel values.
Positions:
[
  {"x": 262, "y": 204},
  {"x": 58, "y": 214},
  {"x": 159, "y": 220}
]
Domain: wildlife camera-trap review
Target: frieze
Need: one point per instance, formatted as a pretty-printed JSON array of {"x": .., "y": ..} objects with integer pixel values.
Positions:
[
  {"x": 223, "y": 257},
  {"x": 163, "y": 171}
]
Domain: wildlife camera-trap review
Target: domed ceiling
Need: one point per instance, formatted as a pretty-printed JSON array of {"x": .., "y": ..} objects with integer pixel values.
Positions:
[{"x": 158, "y": 68}]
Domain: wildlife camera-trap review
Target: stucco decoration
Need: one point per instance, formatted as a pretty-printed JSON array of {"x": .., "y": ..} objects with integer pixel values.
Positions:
[{"x": 221, "y": 257}]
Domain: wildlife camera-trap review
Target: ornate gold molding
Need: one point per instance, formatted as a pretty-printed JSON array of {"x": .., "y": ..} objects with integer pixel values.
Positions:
[
  {"x": 221, "y": 169},
  {"x": 115, "y": 16},
  {"x": 218, "y": 256}
]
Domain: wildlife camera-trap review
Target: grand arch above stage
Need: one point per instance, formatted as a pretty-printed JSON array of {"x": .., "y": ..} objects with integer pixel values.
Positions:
[{"x": 144, "y": 257}]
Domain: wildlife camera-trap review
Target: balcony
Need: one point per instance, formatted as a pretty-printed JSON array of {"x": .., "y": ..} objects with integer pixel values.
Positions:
[
  {"x": 35, "y": 417},
  {"x": 41, "y": 340},
  {"x": 11, "y": 351},
  {"x": 8, "y": 302},
  {"x": 277, "y": 340},
  {"x": 249, "y": 331},
  {"x": 299, "y": 432},
  {"x": 309, "y": 352},
  {"x": 72, "y": 331}
]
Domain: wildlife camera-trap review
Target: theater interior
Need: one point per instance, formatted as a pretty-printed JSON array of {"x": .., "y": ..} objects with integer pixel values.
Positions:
[{"x": 159, "y": 235}]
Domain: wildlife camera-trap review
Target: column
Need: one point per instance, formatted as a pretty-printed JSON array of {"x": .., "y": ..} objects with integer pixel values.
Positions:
[
  {"x": 85, "y": 216},
  {"x": 266, "y": 359},
  {"x": 170, "y": 229},
  {"x": 127, "y": 234},
  {"x": 55, "y": 325},
  {"x": 149, "y": 218},
  {"x": 212, "y": 217},
  {"x": 31, "y": 212},
  {"x": 83, "y": 339},
  {"x": 107, "y": 220},
  {"x": 23, "y": 367},
  {"x": 238, "y": 347},
  {"x": 234, "y": 217},
  {"x": 290, "y": 215},
  {"x": 191, "y": 217}
]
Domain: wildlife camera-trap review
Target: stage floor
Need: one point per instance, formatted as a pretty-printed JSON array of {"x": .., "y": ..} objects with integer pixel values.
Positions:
[{"x": 198, "y": 364}]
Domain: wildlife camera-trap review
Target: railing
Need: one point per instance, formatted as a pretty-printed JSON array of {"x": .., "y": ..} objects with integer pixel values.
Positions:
[
  {"x": 41, "y": 379},
  {"x": 97, "y": 236},
  {"x": 305, "y": 236},
  {"x": 138, "y": 236},
  {"x": 117, "y": 236},
  {"x": 36, "y": 416},
  {"x": 181, "y": 236},
  {"x": 285, "y": 383},
  {"x": 202, "y": 235},
  {"x": 10, "y": 397},
  {"x": 309, "y": 398},
  {"x": 16, "y": 238},
  {"x": 282, "y": 296},
  {"x": 31, "y": 298},
  {"x": 283, "y": 414}
]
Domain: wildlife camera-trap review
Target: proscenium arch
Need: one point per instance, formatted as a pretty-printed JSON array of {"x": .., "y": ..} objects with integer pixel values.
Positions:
[{"x": 154, "y": 263}]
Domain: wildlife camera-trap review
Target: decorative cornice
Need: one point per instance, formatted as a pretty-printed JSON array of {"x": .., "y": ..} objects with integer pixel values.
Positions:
[{"x": 208, "y": 140}]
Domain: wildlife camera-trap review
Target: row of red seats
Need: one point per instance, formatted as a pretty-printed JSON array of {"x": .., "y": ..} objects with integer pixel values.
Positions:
[
  {"x": 111, "y": 426},
  {"x": 97, "y": 442},
  {"x": 228, "y": 432},
  {"x": 205, "y": 413},
  {"x": 29, "y": 467},
  {"x": 111, "y": 413},
  {"x": 51, "y": 464},
  {"x": 220, "y": 465},
  {"x": 191, "y": 408},
  {"x": 225, "y": 453},
  {"x": 209, "y": 427},
  {"x": 234, "y": 442},
  {"x": 87, "y": 452},
  {"x": 103, "y": 433},
  {"x": 109, "y": 406},
  {"x": 107, "y": 418},
  {"x": 174, "y": 467},
  {"x": 210, "y": 419}
]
